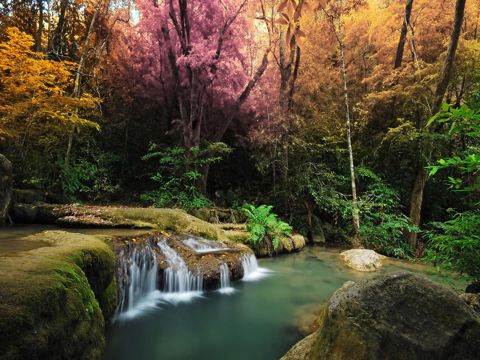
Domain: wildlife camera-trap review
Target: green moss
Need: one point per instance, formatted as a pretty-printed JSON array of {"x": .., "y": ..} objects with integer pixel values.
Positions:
[
  {"x": 51, "y": 298},
  {"x": 174, "y": 220}
]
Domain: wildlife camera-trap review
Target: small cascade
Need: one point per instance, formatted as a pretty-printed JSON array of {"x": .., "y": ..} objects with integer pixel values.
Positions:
[
  {"x": 201, "y": 245},
  {"x": 137, "y": 276},
  {"x": 178, "y": 278},
  {"x": 225, "y": 287},
  {"x": 251, "y": 270}
]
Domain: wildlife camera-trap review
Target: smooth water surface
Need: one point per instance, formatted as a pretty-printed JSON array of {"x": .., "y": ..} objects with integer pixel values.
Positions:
[{"x": 254, "y": 322}]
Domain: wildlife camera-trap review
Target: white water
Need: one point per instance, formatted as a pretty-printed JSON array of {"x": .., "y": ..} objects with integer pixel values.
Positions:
[
  {"x": 140, "y": 282},
  {"x": 225, "y": 287},
  {"x": 179, "y": 283},
  {"x": 251, "y": 270},
  {"x": 201, "y": 245}
]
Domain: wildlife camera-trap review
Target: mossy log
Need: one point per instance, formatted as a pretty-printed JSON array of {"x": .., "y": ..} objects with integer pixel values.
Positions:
[{"x": 174, "y": 220}]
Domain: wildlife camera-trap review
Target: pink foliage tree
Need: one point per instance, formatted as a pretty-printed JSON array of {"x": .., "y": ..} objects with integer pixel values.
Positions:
[{"x": 194, "y": 57}]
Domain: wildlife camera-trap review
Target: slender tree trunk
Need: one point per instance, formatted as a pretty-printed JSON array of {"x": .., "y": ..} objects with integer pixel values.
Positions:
[
  {"x": 416, "y": 200},
  {"x": 356, "y": 242},
  {"x": 58, "y": 33},
  {"x": 403, "y": 34},
  {"x": 38, "y": 38},
  {"x": 78, "y": 79}
]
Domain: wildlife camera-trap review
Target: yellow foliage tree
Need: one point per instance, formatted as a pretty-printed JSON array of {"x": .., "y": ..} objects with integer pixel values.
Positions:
[{"x": 35, "y": 92}]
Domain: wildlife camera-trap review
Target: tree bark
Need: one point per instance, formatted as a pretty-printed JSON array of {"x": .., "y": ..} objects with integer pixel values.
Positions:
[
  {"x": 78, "y": 79},
  {"x": 416, "y": 199},
  {"x": 356, "y": 241},
  {"x": 58, "y": 33},
  {"x": 38, "y": 38},
  {"x": 6, "y": 184},
  {"x": 403, "y": 34}
]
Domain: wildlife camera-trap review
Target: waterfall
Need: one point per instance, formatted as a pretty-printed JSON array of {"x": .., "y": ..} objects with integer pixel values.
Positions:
[
  {"x": 137, "y": 276},
  {"x": 225, "y": 287},
  {"x": 201, "y": 245},
  {"x": 251, "y": 270},
  {"x": 177, "y": 278}
]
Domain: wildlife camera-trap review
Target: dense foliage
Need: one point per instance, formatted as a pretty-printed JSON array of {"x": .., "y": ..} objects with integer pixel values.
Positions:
[
  {"x": 266, "y": 230},
  {"x": 329, "y": 110}
]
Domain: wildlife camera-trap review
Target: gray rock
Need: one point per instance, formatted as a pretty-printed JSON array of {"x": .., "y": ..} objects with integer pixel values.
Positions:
[{"x": 395, "y": 316}]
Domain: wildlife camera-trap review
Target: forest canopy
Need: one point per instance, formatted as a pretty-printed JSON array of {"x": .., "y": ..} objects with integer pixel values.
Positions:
[{"x": 357, "y": 120}]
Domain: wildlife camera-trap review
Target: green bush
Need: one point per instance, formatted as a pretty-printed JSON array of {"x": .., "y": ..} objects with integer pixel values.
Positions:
[
  {"x": 383, "y": 226},
  {"x": 265, "y": 229},
  {"x": 455, "y": 244},
  {"x": 90, "y": 179},
  {"x": 178, "y": 175}
]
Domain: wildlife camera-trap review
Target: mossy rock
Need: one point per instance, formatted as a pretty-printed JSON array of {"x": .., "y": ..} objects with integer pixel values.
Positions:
[
  {"x": 174, "y": 220},
  {"x": 52, "y": 298},
  {"x": 393, "y": 317}
]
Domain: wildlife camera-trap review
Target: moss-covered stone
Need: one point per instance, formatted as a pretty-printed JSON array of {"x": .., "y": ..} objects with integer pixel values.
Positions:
[
  {"x": 174, "y": 220},
  {"x": 395, "y": 316},
  {"x": 52, "y": 297}
]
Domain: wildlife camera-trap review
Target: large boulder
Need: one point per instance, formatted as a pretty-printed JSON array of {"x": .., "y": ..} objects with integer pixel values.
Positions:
[
  {"x": 395, "y": 316},
  {"x": 362, "y": 259},
  {"x": 6, "y": 184},
  {"x": 56, "y": 298}
]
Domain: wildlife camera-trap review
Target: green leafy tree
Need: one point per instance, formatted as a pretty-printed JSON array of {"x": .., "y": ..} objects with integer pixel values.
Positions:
[{"x": 178, "y": 175}]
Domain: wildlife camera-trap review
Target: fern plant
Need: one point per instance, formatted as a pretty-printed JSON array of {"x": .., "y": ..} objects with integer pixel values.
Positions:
[{"x": 266, "y": 230}]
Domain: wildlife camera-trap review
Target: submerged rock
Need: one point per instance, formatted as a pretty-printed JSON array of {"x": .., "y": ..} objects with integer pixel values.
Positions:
[
  {"x": 395, "y": 316},
  {"x": 362, "y": 259},
  {"x": 6, "y": 183},
  {"x": 55, "y": 300}
]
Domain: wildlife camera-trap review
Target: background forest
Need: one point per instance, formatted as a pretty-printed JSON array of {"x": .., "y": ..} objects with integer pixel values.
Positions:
[{"x": 357, "y": 120}]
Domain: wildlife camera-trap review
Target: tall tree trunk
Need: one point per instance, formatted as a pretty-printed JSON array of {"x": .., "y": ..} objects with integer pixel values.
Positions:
[
  {"x": 416, "y": 200},
  {"x": 403, "y": 34},
  {"x": 38, "y": 38},
  {"x": 78, "y": 79},
  {"x": 58, "y": 33},
  {"x": 356, "y": 242}
]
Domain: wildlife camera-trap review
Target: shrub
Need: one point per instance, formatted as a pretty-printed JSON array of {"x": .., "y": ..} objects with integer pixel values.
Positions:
[
  {"x": 265, "y": 229},
  {"x": 179, "y": 174},
  {"x": 455, "y": 244}
]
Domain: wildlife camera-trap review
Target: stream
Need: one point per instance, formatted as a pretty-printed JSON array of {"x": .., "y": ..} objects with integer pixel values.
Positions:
[{"x": 250, "y": 319}]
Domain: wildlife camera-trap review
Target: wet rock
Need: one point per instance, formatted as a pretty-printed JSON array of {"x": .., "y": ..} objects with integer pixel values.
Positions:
[
  {"x": 472, "y": 300},
  {"x": 205, "y": 262},
  {"x": 362, "y": 259},
  {"x": 6, "y": 183},
  {"x": 473, "y": 288},
  {"x": 395, "y": 316}
]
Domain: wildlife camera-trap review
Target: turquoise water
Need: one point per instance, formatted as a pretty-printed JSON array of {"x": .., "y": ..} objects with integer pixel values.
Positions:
[{"x": 255, "y": 322}]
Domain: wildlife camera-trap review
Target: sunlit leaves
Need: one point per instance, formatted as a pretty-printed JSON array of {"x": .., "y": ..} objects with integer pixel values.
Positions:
[{"x": 35, "y": 91}]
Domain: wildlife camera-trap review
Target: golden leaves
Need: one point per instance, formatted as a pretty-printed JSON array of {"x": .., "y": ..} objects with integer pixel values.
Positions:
[{"x": 35, "y": 91}]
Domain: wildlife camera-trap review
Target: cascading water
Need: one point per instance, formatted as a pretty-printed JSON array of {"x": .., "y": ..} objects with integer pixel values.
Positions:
[
  {"x": 251, "y": 270},
  {"x": 201, "y": 245},
  {"x": 225, "y": 287},
  {"x": 177, "y": 278},
  {"x": 137, "y": 279}
]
